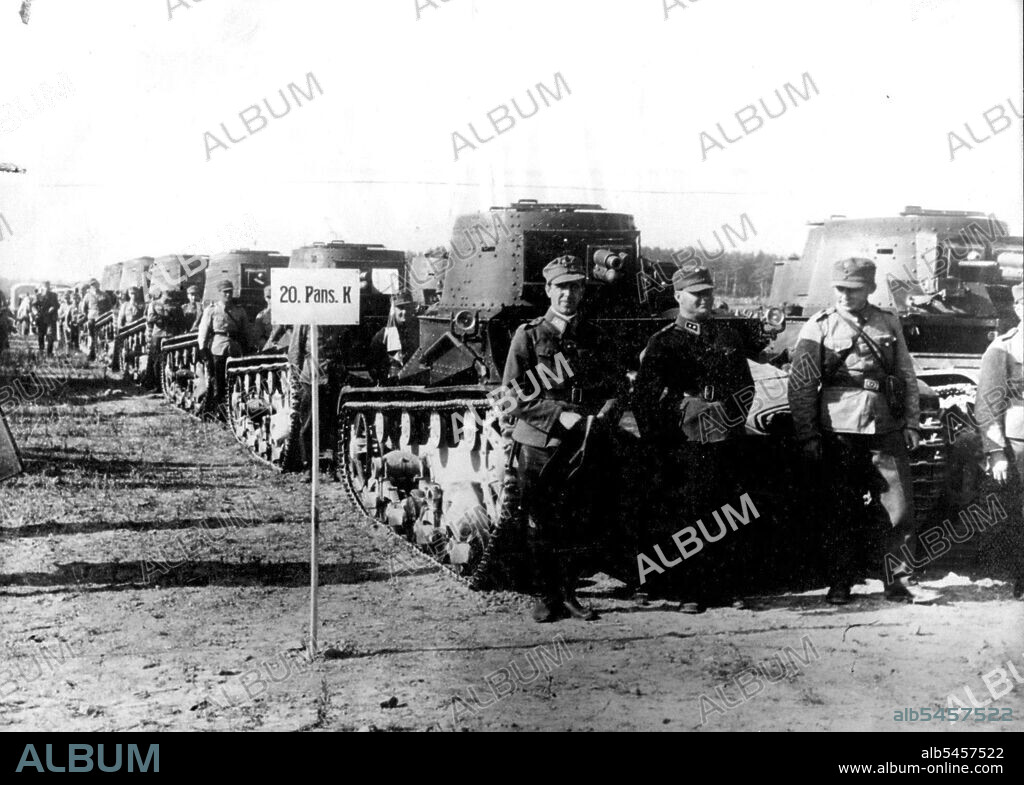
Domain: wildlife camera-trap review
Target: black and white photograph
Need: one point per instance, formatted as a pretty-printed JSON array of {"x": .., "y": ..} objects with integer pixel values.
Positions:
[{"x": 476, "y": 365}]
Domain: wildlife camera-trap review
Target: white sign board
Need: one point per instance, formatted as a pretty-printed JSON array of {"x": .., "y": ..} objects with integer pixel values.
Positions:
[{"x": 314, "y": 296}]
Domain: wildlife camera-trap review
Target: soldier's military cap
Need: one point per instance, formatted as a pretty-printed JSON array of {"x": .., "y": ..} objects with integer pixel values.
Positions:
[
  {"x": 155, "y": 290},
  {"x": 134, "y": 288},
  {"x": 692, "y": 279},
  {"x": 853, "y": 273},
  {"x": 403, "y": 297},
  {"x": 225, "y": 286},
  {"x": 1018, "y": 292},
  {"x": 565, "y": 269},
  {"x": 93, "y": 282},
  {"x": 193, "y": 289}
]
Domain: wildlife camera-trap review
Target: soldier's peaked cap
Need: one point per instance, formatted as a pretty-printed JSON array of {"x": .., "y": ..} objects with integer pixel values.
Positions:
[
  {"x": 692, "y": 279},
  {"x": 853, "y": 273},
  {"x": 565, "y": 269},
  {"x": 403, "y": 297},
  {"x": 224, "y": 286},
  {"x": 193, "y": 288}
]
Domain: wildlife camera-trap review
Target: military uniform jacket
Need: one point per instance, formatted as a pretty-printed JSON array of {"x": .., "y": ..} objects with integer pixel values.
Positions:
[
  {"x": 47, "y": 307},
  {"x": 557, "y": 365},
  {"x": 332, "y": 345},
  {"x": 694, "y": 384},
  {"x": 837, "y": 384},
  {"x": 163, "y": 319},
  {"x": 224, "y": 331},
  {"x": 130, "y": 312},
  {"x": 384, "y": 364},
  {"x": 94, "y": 305},
  {"x": 263, "y": 327},
  {"x": 1000, "y": 404},
  {"x": 191, "y": 314}
]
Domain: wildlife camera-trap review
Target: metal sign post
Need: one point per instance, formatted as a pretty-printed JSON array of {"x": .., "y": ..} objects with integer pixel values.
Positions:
[
  {"x": 314, "y": 508},
  {"x": 314, "y": 297}
]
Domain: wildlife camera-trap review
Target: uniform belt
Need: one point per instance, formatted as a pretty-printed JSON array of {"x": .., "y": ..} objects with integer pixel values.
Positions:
[
  {"x": 706, "y": 393},
  {"x": 858, "y": 383},
  {"x": 575, "y": 395}
]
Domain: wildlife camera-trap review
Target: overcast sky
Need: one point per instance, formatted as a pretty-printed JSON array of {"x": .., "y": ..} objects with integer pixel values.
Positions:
[{"x": 118, "y": 167}]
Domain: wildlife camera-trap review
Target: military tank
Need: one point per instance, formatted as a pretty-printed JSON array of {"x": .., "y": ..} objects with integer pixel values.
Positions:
[
  {"x": 185, "y": 374},
  {"x": 173, "y": 273},
  {"x": 948, "y": 276},
  {"x": 429, "y": 458},
  {"x": 263, "y": 391}
]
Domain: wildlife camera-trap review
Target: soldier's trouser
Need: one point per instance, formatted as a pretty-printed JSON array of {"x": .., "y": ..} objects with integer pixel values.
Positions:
[
  {"x": 695, "y": 482},
  {"x": 154, "y": 376},
  {"x": 91, "y": 326},
  {"x": 46, "y": 335},
  {"x": 328, "y": 419},
  {"x": 855, "y": 465},
  {"x": 1008, "y": 536},
  {"x": 218, "y": 385},
  {"x": 549, "y": 547}
]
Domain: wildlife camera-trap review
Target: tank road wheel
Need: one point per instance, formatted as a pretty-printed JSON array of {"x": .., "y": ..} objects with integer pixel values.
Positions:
[
  {"x": 170, "y": 386},
  {"x": 360, "y": 450}
]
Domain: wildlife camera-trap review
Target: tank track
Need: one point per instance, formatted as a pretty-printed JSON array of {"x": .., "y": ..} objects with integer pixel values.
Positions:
[
  {"x": 471, "y": 555},
  {"x": 929, "y": 466},
  {"x": 263, "y": 392},
  {"x": 185, "y": 375},
  {"x": 128, "y": 348}
]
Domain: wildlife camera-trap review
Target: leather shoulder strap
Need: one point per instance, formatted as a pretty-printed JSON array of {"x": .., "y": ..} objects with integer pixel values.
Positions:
[{"x": 874, "y": 347}]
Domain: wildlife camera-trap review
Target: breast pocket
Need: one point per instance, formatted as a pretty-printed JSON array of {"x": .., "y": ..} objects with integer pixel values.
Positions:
[{"x": 553, "y": 367}]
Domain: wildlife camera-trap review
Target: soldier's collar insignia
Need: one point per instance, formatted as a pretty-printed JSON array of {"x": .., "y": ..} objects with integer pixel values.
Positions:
[
  {"x": 690, "y": 326},
  {"x": 559, "y": 322}
]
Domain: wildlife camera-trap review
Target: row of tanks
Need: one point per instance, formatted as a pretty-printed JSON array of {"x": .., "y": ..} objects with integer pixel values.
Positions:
[{"x": 428, "y": 455}]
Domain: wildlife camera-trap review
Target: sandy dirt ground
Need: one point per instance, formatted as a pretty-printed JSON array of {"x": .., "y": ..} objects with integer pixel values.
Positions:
[{"x": 155, "y": 577}]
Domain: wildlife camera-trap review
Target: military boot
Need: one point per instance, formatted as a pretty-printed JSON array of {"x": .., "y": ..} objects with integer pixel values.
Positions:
[
  {"x": 897, "y": 591},
  {"x": 548, "y": 606}
]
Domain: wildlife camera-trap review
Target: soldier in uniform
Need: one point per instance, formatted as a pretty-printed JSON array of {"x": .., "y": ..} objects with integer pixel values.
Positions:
[
  {"x": 223, "y": 333},
  {"x": 94, "y": 305},
  {"x": 74, "y": 319},
  {"x": 164, "y": 319},
  {"x": 133, "y": 309},
  {"x": 332, "y": 345},
  {"x": 192, "y": 310},
  {"x": 393, "y": 345},
  {"x": 854, "y": 399},
  {"x": 47, "y": 309},
  {"x": 266, "y": 334},
  {"x": 1000, "y": 413},
  {"x": 691, "y": 399},
  {"x": 549, "y": 405}
]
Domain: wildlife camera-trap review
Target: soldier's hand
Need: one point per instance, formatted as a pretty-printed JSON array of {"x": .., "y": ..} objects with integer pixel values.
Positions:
[
  {"x": 912, "y": 438},
  {"x": 569, "y": 420},
  {"x": 1000, "y": 467},
  {"x": 811, "y": 450}
]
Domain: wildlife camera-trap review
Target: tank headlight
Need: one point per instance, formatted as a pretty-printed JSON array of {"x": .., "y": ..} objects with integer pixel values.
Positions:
[
  {"x": 464, "y": 323},
  {"x": 775, "y": 318}
]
